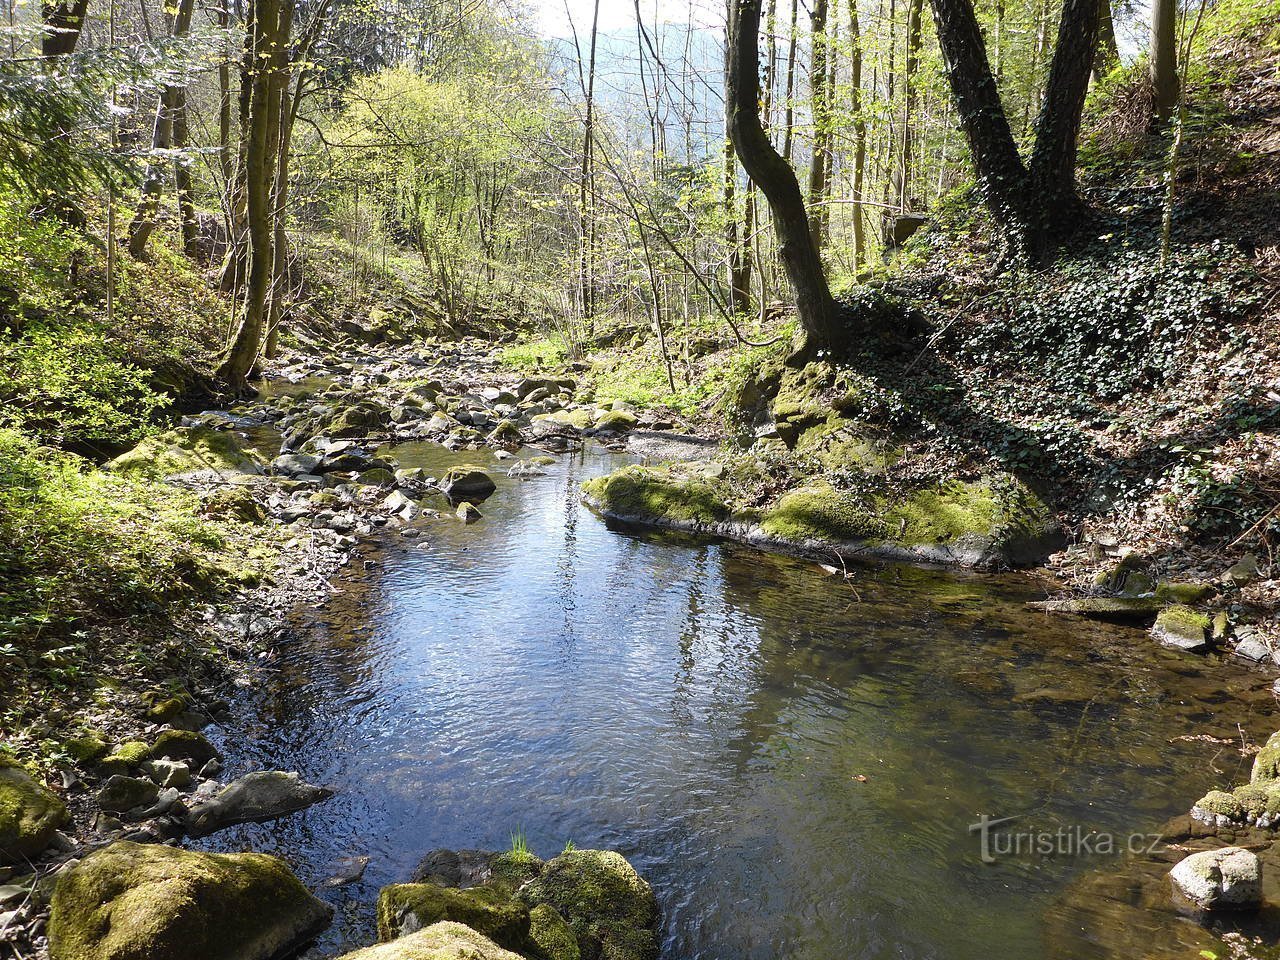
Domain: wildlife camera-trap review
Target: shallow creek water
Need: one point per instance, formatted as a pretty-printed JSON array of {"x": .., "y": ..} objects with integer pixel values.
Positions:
[{"x": 792, "y": 760}]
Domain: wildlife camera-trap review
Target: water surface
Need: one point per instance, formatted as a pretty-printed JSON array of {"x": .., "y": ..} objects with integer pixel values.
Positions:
[{"x": 792, "y": 760}]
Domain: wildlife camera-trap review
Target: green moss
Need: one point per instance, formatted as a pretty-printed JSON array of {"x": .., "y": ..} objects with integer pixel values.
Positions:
[
  {"x": 87, "y": 748},
  {"x": 163, "y": 706},
  {"x": 947, "y": 513},
  {"x": 131, "y": 900},
  {"x": 185, "y": 450},
  {"x": 1221, "y": 804},
  {"x": 616, "y": 421},
  {"x": 128, "y": 756},
  {"x": 609, "y": 907},
  {"x": 1183, "y": 623},
  {"x": 512, "y": 869},
  {"x": 656, "y": 494},
  {"x": 1183, "y": 592},
  {"x": 184, "y": 745},
  {"x": 505, "y": 432},
  {"x": 29, "y": 815},
  {"x": 837, "y": 446},
  {"x": 1266, "y": 765},
  {"x": 440, "y": 941},
  {"x": 821, "y": 513},
  {"x": 234, "y": 503},
  {"x": 580, "y": 419},
  {"x": 484, "y": 909},
  {"x": 551, "y": 937}
]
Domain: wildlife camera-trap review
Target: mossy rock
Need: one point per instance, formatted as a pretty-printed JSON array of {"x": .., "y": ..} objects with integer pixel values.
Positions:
[
  {"x": 610, "y": 908},
  {"x": 120, "y": 794},
  {"x": 806, "y": 396},
  {"x": 616, "y": 421},
  {"x": 128, "y": 756},
  {"x": 361, "y": 419},
  {"x": 132, "y": 901},
  {"x": 88, "y": 748},
  {"x": 1187, "y": 593},
  {"x": 1220, "y": 804},
  {"x": 186, "y": 450},
  {"x": 440, "y": 941},
  {"x": 505, "y": 432},
  {"x": 29, "y": 814},
  {"x": 407, "y": 907},
  {"x": 1266, "y": 765},
  {"x": 550, "y": 936},
  {"x": 163, "y": 705},
  {"x": 1121, "y": 609},
  {"x": 656, "y": 495},
  {"x": 466, "y": 481},
  {"x": 822, "y": 513},
  {"x": 184, "y": 745},
  {"x": 1182, "y": 627},
  {"x": 234, "y": 503},
  {"x": 837, "y": 445},
  {"x": 377, "y": 477},
  {"x": 579, "y": 420},
  {"x": 510, "y": 870}
]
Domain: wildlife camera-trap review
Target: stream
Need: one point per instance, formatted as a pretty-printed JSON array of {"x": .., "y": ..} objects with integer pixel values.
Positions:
[{"x": 792, "y": 759}]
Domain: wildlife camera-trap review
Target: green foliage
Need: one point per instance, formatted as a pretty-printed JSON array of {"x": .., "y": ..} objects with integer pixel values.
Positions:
[
  {"x": 520, "y": 843},
  {"x": 534, "y": 355},
  {"x": 79, "y": 545}
]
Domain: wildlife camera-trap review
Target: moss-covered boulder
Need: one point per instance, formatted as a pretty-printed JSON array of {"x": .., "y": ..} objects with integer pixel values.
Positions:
[
  {"x": 184, "y": 745},
  {"x": 121, "y": 794},
  {"x": 1182, "y": 628},
  {"x": 657, "y": 495},
  {"x": 550, "y": 936},
  {"x": 574, "y": 421},
  {"x": 1266, "y": 765},
  {"x": 186, "y": 450},
  {"x": 1122, "y": 609},
  {"x": 440, "y": 941},
  {"x": 824, "y": 514},
  {"x": 615, "y": 421},
  {"x": 1174, "y": 592},
  {"x": 408, "y": 907},
  {"x": 125, "y": 758},
  {"x": 363, "y": 418},
  {"x": 29, "y": 815},
  {"x": 234, "y": 503},
  {"x": 131, "y": 901},
  {"x": 88, "y": 748},
  {"x": 610, "y": 908}
]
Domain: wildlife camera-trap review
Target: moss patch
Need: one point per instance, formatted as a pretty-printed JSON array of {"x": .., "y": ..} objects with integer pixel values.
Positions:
[
  {"x": 440, "y": 941},
  {"x": 29, "y": 815},
  {"x": 1266, "y": 765},
  {"x": 185, "y": 450},
  {"x": 406, "y": 907},
  {"x": 822, "y": 513},
  {"x": 656, "y": 494},
  {"x": 1181, "y": 625},
  {"x": 184, "y": 745},
  {"x": 133, "y": 900},
  {"x": 551, "y": 937}
]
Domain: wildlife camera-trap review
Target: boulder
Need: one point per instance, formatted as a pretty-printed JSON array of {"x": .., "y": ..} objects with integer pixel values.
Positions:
[
  {"x": 467, "y": 482},
  {"x": 29, "y": 815},
  {"x": 295, "y": 464},
  {"x": 405, "y": 908},
  {"x": 552, "y": 937},
  {"x": 1229, "y": 878},
  {"x": 468, "y": 513},
  {"x": 131, "y": 901},
  {"x": 440, "y": 941},
  {"x": 610, "y": 908},
  {"x": 1182, "y": 628},
  {"x": 1103, "y": 608},
  {"x": 187, "y": 450},
  {"x": 255, "y": 798},
  {"x": 122, "y": 794},
  {"x": 185, "y": 745},
  {"x": 1245, "y": 571}
]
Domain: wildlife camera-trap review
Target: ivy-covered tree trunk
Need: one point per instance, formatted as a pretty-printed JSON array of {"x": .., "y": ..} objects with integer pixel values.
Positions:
[
  {"x": 63, "y": 23},
  {"x": 777, "y": 181}
]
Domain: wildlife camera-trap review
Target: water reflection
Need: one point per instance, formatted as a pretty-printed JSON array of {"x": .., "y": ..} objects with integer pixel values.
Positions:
[{"x": 792, "y": 760}]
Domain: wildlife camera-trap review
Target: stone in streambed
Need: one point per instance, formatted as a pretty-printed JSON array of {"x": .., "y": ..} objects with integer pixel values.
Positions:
[
  {"x": 1182, "y": 628},
  {"x": 131, "y": 901},
  {"x": 440, "y": 941},
  {"x": 467, "y": 482},
  {"x": 184, "y": 745},
  {"x": 405, "y": 908},
  {"x": 29, "y": 815},
  {"x": 122, "y": 794},
  {"x": 255, "y": 798},
  {"x": 1226, "y": 879}
]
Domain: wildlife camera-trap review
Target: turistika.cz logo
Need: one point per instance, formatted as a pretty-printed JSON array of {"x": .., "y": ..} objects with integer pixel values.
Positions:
[{"x": 997, "y": 840}]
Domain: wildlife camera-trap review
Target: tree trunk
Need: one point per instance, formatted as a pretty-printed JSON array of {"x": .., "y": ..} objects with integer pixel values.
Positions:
[
  {"x": 776, "y": 179},
  {"x": 172, "y": 101},
  {"x": 63, "y": 23},
  {"x": 859, "y": 134},
  {"x": 788, "y": 102},
  {"x": 586, "y": 182},
  {"x": 1164, "y": 59},
  {"x": 1108, "y": 50},
  {"x": 820, "y": 161},
  {"x": 909, "y": 69},
  {"x": 270, "y": 44}
]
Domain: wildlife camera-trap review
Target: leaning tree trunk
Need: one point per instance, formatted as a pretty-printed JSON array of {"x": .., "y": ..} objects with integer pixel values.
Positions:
[
  {"x": 777, "y": 181},
  {"x": 270, "y": 44}
]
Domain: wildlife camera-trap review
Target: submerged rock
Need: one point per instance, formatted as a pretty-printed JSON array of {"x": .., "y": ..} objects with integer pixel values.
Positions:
[
  {"x": 1226, "y": 879},
  {"x": 131, "y": 901},
  {"x": 440, "y": 941},
  {"x": 29, "y": 815},
  {"x": 1103, "y": 608},
  {"x": 255, "y": 798},
  {"x": 405, "y": 908}
]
